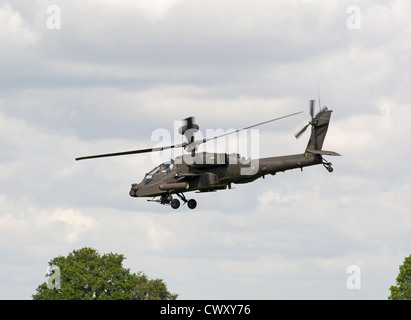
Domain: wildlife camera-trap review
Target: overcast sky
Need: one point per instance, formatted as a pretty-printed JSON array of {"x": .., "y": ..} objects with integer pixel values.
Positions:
[{"x": 95, "y": 76}]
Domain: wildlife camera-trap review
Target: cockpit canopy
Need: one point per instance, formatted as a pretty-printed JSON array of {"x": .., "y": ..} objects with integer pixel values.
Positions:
[{"x": 162, "y": 169}]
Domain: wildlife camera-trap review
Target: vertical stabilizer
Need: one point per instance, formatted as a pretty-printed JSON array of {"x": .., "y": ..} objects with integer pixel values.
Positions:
[{"x": 319, "y": 127}]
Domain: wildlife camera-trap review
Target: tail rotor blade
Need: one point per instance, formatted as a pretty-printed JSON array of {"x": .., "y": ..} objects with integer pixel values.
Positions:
[
  {"x": 299, "y": 133},
  {"x": 312, "y": 102}
]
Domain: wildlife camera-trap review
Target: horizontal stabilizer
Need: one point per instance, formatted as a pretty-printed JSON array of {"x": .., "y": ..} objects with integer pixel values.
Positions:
[{"x": 323, "y": 152}]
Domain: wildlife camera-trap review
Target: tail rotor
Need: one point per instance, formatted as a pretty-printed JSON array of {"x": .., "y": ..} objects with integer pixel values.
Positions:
[{"x": 312, "y": 122}]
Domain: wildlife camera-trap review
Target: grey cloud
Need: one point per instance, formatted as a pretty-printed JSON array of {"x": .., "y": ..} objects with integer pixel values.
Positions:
[{"x": 115, "y": 73}]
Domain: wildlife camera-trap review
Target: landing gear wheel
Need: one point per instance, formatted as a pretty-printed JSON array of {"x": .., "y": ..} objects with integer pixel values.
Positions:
[
  {"x": 192, "y": 203},
  {"x": 175, "y": 203},
  {"x": 328, "y": 166}
]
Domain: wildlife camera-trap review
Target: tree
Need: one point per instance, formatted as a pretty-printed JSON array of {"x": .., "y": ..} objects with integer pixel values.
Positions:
[
  {"x": 86, "y": 275},
  {"x": 402, "y": 291}
]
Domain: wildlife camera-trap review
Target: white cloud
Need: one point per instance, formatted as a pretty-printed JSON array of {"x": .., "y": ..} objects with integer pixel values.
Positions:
[
  {"x": 75, "y": 221},
  {"x": 151, "y": 10},
  {"x": 14, "y": 31},
  {"x": 273, "y": 198},
  {"x": 27, "y": 219}
]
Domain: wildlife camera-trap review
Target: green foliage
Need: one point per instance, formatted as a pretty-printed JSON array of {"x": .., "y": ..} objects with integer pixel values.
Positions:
[
  {"x": 87, "y": 275},
  {"x": 402, "y": 291}
]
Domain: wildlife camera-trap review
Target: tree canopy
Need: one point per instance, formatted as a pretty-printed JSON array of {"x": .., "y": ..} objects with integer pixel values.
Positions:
[
  {"x": 87, "y": 275},
  {"x": 402, "y": 291}
]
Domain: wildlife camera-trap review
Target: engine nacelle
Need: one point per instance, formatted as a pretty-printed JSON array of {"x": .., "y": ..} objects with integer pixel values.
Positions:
[{"x": 205, "y": 159}]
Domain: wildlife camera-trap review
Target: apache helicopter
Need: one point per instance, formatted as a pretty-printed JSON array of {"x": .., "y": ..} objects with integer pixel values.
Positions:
[{"x": 207, "y": 172}]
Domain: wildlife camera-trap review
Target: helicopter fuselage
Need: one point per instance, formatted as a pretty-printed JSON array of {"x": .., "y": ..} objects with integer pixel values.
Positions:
[{"x": 215, "y": 171}]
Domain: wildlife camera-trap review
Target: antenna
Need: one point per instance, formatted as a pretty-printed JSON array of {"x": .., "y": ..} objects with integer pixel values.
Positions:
[{"x": 319, "y": 96}]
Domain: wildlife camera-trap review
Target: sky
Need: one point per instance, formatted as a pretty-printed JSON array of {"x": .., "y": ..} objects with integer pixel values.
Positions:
[{"x": 96, "y": 76}]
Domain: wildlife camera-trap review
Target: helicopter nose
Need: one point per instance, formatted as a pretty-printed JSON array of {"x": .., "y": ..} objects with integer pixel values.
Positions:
[{"x": 134, "y": 190}]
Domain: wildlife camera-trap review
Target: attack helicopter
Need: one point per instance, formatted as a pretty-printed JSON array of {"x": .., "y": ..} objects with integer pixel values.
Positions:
[{"x": 209, "y": 172}]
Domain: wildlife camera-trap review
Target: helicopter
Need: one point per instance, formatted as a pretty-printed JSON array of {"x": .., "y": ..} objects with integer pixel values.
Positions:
[{"x": 210, "y": 172}]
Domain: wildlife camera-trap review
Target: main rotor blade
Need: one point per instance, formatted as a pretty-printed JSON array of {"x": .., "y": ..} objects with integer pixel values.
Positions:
[
  {"x": 184, "y": 145},
  {"x": 130, "y": 152},
  {"x": 255, "y": 125}
]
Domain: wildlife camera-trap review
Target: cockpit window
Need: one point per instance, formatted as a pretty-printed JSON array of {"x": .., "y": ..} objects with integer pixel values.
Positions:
[
  {"x": 157, "y": 171},
  {"x": 166, "y": 167}
]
